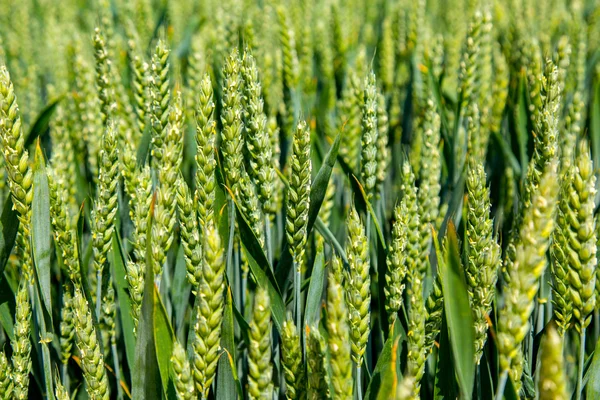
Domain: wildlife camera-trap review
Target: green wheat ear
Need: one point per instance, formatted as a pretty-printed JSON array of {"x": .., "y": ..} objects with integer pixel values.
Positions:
[
  {"x": 574, "y": 245},
  {"x": 339, "y": 335},
  {"x": 232, "y": 143},
  {"x": 396, "y": 262},
  {"x": 528, "y": 265},
  {"x": 21, "y": 358},
  {"x": 92, "y": 360},
  {"x": 6, "y": 382},
  {"x": 483, "y": 252},
  {"x": 205, "y": 151},
  {"x": 318, "y": 377},
  {"x": 298, "y": 194},
  {"x": 16, "y": 156},
  {"x": 291, "y": 360},
  {"x": 209, "y": 311},
  {"x": 258, "y": 143},
  {"x": 182, "y": 375},
  {"x": 357, "y": 282},
  {"x": 369, "y": 136},
  {"x": 552, "y": 384},
  {"x": 260, "y": 367},
  {"x": 430, "y": 175}
]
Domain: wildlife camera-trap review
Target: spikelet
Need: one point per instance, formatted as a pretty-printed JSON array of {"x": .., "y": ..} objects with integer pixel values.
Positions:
[
  {"x": 574, "y": 245},
  {"x": 104, "y": 84},
  {"x": 165, "y": 211},
  {"x": 197, "y": 65},
  {"x": 386, "y": 55},
  {"x": 573, "y": 127},
  {"x": 525, "y": 272},
  {"x": 552, "y": 383},
  {"x": 105, "y": 207},
  {"x": 545, "y": 151},
  {"x": 499, "y": 89},
  {"x": 139, "y": 84},
  {"x": 60, "y": 392},
  {"x": 260, "y": 368},
  {"x": 403, "y": 258},
  {"x": 430, "y": 174},
  {"x": 6, "y": 383},
  {"x": 563, "y": 59},
  {"x": 138, "y": 211},
  {"x": 357, "y": 283},
  {"x": 291, "y": 361},
  {"x": 209, "y": 311},
  {"x": 231, "y": 118},
  {"x": 318, "y": 387},
  {"x": 190, "y": 233},
  {"x": 339, "y": 335},
  {"x": 349, "y": 113},
  {"x": 396, "y": 261},
  {"x": 67, "y": 327},
  {"x": 160, "y": 98},
  {"x": 339, "y": 44},
  {"x": 92, "y": 361},
  {"x": 298, "y": 194},
  {"x": 383, "y": 154},
  {"x": 469, "y": 65},
  {"x": 20, "y": 177},
  {"x": 21, "y": 358},
  {"x": 545, "y": 141},
  {"x": 64, "y": 233},
  {"x": 369, "y": 136},
  {"x": 416, "y": 328},
  {"x": 406, "y": 388},
  {"x": 434, "y": 306},
  {"x": 328, "y": 202},
  {"x": 205, "y": 152},
  {"x": 87, "y": 108},
  {"x": 258, "y": 146},
  {"x": 182, "y": 375},
  {"x": 63, "y": 155},
  {"x": 290, "y": 71},
  {"x": 483, "y": 252}
]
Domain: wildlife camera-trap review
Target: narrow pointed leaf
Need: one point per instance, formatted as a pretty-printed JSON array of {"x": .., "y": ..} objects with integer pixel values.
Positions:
[
  {"x": 593, "y": 385},
  {"x": 42, "y": 121},
  {"x": 40, "y": 227},
  {"x": 260, "y": 268},
  {"x": 163, "y": 339},
  {"x": 315, "y": 289},
  {"x": 457, "y": 312}
]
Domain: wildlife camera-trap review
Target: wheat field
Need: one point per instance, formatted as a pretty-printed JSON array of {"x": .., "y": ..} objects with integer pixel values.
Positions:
[{"x": 299, "y": 199}]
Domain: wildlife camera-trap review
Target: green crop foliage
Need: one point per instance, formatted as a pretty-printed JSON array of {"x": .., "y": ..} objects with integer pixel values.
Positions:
[{"x": 360, "y": 199}]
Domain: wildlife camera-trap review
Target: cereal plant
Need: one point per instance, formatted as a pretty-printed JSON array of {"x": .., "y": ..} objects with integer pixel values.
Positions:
[{"x": 291, "y": 199}]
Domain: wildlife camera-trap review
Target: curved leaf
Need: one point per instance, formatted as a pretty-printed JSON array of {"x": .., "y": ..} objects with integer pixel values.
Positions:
[
  {"x": 40, "y": 227},
  {"x": 387, "y": 365},
  {"x": 593, "y": 384},
  {"x": 315, "y": 289},
  {"x": 458, "y": 312},
  {"x": 163, "y": 339},
  {"x": 40, "y": 126}
]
